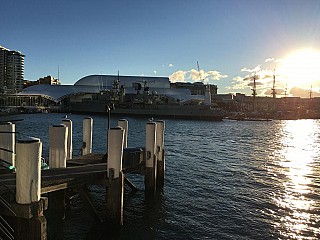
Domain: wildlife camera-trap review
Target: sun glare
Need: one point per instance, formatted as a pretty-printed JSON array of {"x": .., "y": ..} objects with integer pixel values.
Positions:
[{"x": 301, "y": 68}]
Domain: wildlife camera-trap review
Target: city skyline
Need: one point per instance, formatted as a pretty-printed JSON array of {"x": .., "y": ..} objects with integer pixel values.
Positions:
[{"x": 231, "y": 41}]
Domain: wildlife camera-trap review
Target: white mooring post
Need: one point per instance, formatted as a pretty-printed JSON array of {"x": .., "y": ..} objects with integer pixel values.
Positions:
[
  {"x": 28, "y": 170},
  {"x": 115, "y": 189},
  {"x": 160, "y": 154},
  {"x": 151, "y": 160},
  {"x": 58, "y": 140},
  {"x": 87, "y": 127},
  {"x": 123, "y": 123},
  {"x": 7, "y": 143},
  {"x": 68, "y": 124},
  {"x": 28, "y": 191},
  {"x": 58, "y": 136}
]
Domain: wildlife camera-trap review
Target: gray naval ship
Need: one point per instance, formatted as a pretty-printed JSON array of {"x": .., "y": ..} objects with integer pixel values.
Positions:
[{"x": 144, "y": 103}]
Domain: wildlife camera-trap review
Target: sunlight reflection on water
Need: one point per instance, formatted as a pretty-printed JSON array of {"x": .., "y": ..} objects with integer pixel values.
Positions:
[
  {"x": 299, "y": 149},
  {"x": 224, "y": 180}
]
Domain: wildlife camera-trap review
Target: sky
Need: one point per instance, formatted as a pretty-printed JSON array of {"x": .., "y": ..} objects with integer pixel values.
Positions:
[{"x": 231, "y": 40}]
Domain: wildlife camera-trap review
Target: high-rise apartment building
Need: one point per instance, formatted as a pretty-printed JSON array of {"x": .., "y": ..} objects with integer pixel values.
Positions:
[{"x": 11, "y": 70}]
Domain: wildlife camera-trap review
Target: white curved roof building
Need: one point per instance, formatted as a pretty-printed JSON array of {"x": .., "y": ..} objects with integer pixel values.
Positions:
[
  {"x": 95, "y": 83},
  {"x": 106, "y": 81}
]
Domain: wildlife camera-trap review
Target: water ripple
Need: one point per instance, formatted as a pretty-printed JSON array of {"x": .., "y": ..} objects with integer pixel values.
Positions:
[{"x": 224, "y": 180}]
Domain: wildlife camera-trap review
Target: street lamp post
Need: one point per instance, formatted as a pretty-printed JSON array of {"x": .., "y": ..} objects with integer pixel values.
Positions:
[{"x": 108, "y": 110}]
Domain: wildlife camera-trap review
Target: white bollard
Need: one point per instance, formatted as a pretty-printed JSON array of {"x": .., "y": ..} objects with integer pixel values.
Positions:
[
  {"x": 160, "y": 140},
  {"x": 123, "y": 123},
  {"x": 7, "y": 143},
  {"x": 58, "y": 135},
  {"x": 28, "y": 170},
  {"x": 87, "y": 127},
  {"x": 151, "y": 130},
  {"x": 115, "y": 151},
  {"x": 68, "y": 123}
]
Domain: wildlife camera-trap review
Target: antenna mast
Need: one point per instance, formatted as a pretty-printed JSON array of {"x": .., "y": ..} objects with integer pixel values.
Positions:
[
  {"x": 199, "y": 71},
  {"x": 58, "y": 72}
]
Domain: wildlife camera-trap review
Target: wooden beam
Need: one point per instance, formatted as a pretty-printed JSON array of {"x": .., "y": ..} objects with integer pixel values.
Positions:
[
  {"x": 130, "y": 184},
  {"x": 83, "y": 193}
]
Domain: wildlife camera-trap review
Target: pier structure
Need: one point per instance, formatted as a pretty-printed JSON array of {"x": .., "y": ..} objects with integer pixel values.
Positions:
[{"x": 27, "y": 190}]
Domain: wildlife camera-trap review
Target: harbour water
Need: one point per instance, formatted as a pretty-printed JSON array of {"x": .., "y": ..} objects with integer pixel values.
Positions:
[{"x": 224, "y": 180}]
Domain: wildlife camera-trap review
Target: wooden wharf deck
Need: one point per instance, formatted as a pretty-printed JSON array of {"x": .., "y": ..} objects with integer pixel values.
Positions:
[{"x": 26, "y": 206}]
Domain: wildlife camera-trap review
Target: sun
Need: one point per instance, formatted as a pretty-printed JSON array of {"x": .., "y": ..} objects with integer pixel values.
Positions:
[{"x": 301, "y": 68}]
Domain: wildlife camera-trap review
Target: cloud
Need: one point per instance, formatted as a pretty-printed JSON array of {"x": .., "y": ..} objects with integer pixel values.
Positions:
[
  {"x": 256, "y": 69},
  {"x": 278, "y": 60},
  {"x": 178, "y": 76},
  {"x": 264, "y": 79},
  {"x": 269, "y": 60},
  {"x": 215, "y": 75},
  {"x": 304, "y": 93},
  {"x": 275, "y": 60},
  {"x": 194, "y": 75},
  {"x": 171, "y": 65},
  {"x": 154, "y": 71},
  {"x": 238, "y": 83},
  {"x": 264, "y": 74}
]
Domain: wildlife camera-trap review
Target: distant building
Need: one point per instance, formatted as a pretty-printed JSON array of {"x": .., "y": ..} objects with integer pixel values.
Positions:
[
  {"x": 44, "y": 80},
  {"x": 88, "y": 86},
  {"x": 11, "y": 71},
  {"x": 197, "y": 88}
]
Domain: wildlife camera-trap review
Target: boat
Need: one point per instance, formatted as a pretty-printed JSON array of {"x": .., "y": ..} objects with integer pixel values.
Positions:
[
  {"x": 145, "y": 104},
  {"x": 152, "y": 111}
]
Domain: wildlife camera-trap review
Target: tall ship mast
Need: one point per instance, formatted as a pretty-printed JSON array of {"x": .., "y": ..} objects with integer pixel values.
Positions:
[
  {"x": 273, "y": 89},
  {"x": 254, "y": 93},
  {"x": 310, "y": 93}
]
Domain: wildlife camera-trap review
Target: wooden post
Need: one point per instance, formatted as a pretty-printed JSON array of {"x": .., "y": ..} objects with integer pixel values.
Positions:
[
  {"x": 28, "y": 189},
  {"x": 114, "y": 193},
  {"x": 151, "y": 161},
  {"x": 87, "y": 127},
  {"x": 58, "y": 136},
  {"x": 68, "y": 124},
  {"x": 7, "y": 144},
  {"x": 160, "y": 154},
  {"x": 123, "y": 123}
]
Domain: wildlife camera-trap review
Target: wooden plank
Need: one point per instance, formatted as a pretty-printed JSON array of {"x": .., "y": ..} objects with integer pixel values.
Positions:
[
  {"x": 70, "y": 183},
  {"x": 62, "y": 178},
  {"x": 91, "y": 158}
]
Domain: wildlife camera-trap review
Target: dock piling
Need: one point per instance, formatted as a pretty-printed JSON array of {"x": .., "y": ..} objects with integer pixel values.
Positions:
[
  {"x": 7, "y": 143},
  {"x": 87, "y": 127},
  {"x": 151, "y": 161},
  {"x": 58, "y": 137},
  {"x": 160, "y": 154},
  {"x": 68, "y": 124},
  {"x": 123, "y": 123},
  {"x": 28, "y": 170},
  {"x": 28, "y": 190},
  {"x": 115, "y": 190},
  {"x": 108, "y": 170}
]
